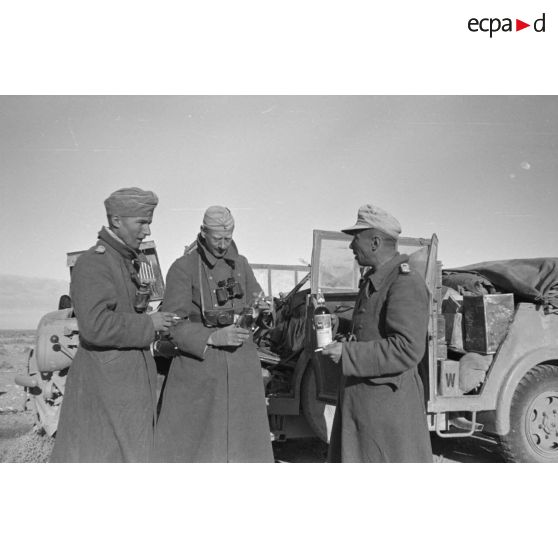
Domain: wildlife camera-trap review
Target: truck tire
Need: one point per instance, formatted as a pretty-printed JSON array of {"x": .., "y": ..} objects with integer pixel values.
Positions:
[
  {"x": 318, "y": 414},
  {"x": 533, "y": 435}
]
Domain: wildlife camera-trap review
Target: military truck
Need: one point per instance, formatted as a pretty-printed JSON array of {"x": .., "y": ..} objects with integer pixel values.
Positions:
[{"x": 514, "y": 399}]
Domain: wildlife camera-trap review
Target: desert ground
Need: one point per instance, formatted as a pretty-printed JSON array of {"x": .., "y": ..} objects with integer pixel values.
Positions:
[{"x": 22, "y": 441}]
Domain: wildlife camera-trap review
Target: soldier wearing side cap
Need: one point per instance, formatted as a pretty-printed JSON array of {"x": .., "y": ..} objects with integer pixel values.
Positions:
[
  {"x": 109, "y": 406},
  {"x": 380, "y": 415},
  {"x": 213, "y": 407}
]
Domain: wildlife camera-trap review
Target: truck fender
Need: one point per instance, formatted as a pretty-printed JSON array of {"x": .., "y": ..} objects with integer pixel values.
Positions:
[{"x": 518, "y": 370}]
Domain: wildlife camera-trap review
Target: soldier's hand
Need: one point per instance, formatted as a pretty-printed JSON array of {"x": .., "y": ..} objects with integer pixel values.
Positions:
[
  {"x": 163, "y": 320},
  {"x": 230, "y": 336},
  {"x": 333, "y": 351}
]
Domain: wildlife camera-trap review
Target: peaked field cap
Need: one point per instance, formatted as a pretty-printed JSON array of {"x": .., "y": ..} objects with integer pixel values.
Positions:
[
  {"x": 218, "y": 218},
  {"x": 131, "y": 202},
  {"x": 373, "y": 217}
]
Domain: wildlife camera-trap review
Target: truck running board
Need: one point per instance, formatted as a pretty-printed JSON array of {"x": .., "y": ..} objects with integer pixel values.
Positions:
[{"x": 465, "y": 427}]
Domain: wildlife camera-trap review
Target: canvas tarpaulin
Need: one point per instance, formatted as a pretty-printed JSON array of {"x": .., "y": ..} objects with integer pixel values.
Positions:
[{"x": 531, "y": 279}]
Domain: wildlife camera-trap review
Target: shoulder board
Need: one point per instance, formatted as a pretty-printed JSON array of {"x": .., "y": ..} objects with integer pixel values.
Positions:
[
  {"x": 405, "y": 268},
  {"x": 100, "y": 249},
  {"x": 191, "y": 249}
]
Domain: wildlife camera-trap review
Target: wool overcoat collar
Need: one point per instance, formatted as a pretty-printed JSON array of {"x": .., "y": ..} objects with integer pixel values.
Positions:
[
  {"x": 375, "y": 278},
  {"x": 231, "y": 255}
]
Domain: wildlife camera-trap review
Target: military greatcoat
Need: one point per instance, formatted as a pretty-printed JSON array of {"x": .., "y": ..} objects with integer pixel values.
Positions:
[
  {"x": 213, "y": 407},
  {"x": 109, "y": 403},
  {"x": 380, "y": 415}
]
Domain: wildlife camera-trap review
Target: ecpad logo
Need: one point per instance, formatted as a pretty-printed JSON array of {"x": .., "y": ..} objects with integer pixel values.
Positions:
[{"x": 492, "y": 25}]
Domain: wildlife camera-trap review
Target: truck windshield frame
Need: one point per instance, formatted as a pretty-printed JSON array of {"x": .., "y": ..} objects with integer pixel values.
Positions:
[{"x": 335, "y": 270}]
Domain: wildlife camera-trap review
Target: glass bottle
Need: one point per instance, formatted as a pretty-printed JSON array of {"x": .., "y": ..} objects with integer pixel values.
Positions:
[{"x": 322, "y": 322}]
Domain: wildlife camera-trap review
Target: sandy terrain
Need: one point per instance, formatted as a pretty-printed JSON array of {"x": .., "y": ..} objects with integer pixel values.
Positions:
[
  {"x": 20, "y": 442},
  {"x": 14, "y": 349}
]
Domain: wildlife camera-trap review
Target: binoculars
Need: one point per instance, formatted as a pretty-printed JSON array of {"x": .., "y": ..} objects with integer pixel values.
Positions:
[{"x": 226, "y": 290}]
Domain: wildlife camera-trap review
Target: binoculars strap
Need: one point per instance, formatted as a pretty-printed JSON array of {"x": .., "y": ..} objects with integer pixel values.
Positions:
[{"x": 200, "y": 263}]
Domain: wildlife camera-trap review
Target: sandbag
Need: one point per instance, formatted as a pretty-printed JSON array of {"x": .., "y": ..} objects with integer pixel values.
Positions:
[{"x": 472, "y": 370}]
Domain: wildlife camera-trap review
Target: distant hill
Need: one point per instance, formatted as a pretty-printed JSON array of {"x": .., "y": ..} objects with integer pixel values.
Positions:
[{"x": 24, "y": 300}]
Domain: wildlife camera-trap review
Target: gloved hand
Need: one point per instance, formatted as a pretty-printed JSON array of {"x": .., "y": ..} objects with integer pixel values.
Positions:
[{"x": 230, "y": 336}]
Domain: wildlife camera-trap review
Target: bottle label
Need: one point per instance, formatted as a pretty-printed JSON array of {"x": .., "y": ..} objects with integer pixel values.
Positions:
[{"x": 323, "y": 329}]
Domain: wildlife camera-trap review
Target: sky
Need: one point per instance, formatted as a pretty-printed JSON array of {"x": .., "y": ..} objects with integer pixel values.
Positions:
[{"x": 478, "y": 171}]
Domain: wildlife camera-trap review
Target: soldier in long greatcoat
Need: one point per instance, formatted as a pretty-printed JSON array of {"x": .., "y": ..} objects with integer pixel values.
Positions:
[
  {"x": 109, "y": 404},
  {"x": 380, "y": 414},
  {"x": 213, "y": 407}
]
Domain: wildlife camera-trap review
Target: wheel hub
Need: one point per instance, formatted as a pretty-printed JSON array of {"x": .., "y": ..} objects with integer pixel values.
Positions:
[{"x": 542, "y": 424}]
